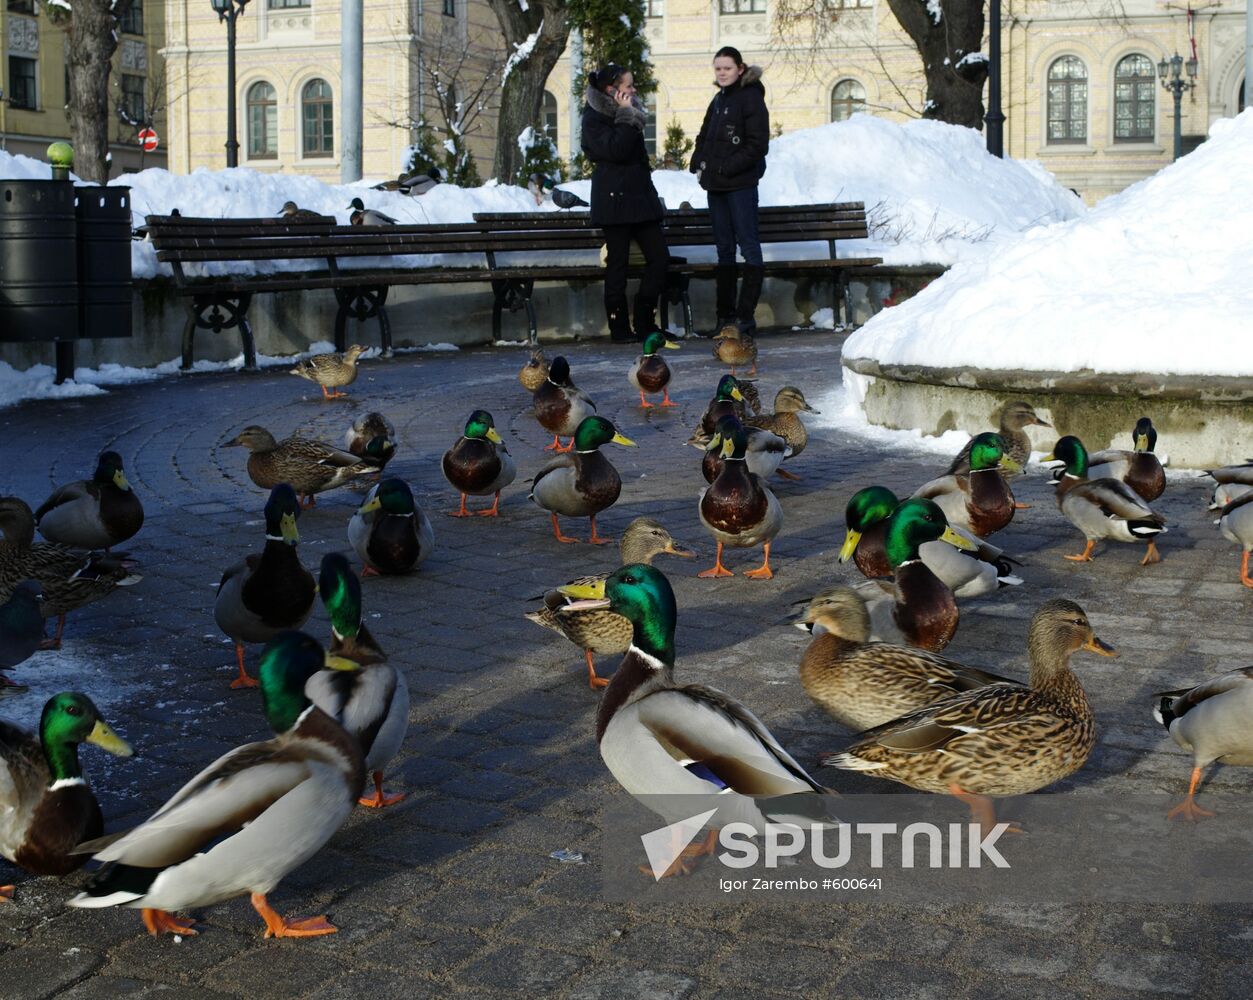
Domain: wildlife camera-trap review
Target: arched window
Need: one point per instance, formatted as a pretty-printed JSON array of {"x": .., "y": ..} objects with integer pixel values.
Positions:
[
  {"x": 1068, "y": 101},
  {"x": 262, "y": 122},
  {"x": 1135, "y": 89},
  {"x": 317, "y": 113},
  {"x": 548, "y": 115},
  {"x": 847, "y": 98}
]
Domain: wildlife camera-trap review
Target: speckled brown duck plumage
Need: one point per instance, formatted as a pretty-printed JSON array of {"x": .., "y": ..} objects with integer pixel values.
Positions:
[
  {"x": 309, "y": 467},
  {"x": 785, "y": 422},
  {"x": 1013, "y": 418},
  {"x": 330, "y": 371},
  {"x": 998, "y": 740},
  {"x": 534, "y": 372},
  {"x": 735, "y": 348}
]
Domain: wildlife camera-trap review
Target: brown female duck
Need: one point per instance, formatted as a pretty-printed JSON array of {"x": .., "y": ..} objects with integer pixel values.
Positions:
[
  {"x": 1013, "y": 418},
  {"x": 309, "y": 467},
  {"x": 330, "y": 371},
  {"x": 788, "y": 402},
  {"x": 534, "y": 372}
]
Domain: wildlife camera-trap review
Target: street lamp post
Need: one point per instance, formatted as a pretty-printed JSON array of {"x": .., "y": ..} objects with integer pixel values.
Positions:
[
  {"x": 1171, "y": 72},
  {"x": 228, "y": 11},
  {"x": 994, "y": 118}
]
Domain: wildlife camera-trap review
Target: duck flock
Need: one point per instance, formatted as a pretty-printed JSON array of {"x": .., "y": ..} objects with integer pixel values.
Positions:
[{"x": 340, "y": 713}]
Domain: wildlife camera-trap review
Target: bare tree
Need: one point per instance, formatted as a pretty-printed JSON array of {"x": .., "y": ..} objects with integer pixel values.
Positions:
[{"x": 535, "y": 34}]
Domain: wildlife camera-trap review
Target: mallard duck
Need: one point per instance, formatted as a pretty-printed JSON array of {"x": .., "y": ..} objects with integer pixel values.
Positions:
[
  {"x": 330, "y": 370},
  {"x": 1102, "y": 508},
  {"x": 980, "y": 571},
  {"x": 788, "y": 402},
  {"x": 668, "y": 741},
  {"x": 862, "y": 684},
  {"x": 46, "y": 807},
  {"x": 363, "y": 693},
  {"x": 737, "y": 508},
  {"x": 998, "y": 740},
  {"x": 372, "y": 438},
  {"x": 309, "y": 467},
  {"x": 245, "y": 821},
  {"x": 980, "y": 500},
  {"x": 362, "y": 216},
  {"x": 479, "y": 464},
  {"x": 389, "y": 532},
  {"x": 1140, "y": 469},
  {"x": 1215, "y": 721},
  {"x": 95, "y": 513},
  {"x": 1013, "y": 418},
  {"x": 582, "y": 484},
  {"x": 650, "y": 373},
  {"x": 729, "y": 401},
  {"x": 1234, "y": 474},
  {"x": 294, "y": 213},
  {"x": 560, "y": 405},
  {"x": 763, "y": 455},
  {"x": 924, "y": 610},
  {"x": 534, "y": 372},
  {"x": 1225, "y": 493},
  {"x": 603, "y": 632},
  {"x": 1236, "y": 524},
  {"x": 264, "y": 594},
  {"x": 735, "y": 348},
  {"x": 69, "y": 579},
  {"x": 21, "y": 631}
]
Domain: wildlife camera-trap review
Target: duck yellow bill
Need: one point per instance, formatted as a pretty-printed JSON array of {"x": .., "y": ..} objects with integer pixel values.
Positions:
[
  {"x": 737, "y": 395},
  {"x": 1094, "y": 645},
  {"x": 672, "y": 345},
  {"x": 585, "y": 591},
  {"x": 1142, "y": 442},
  {"x": 288, "y": 526},
  {"x": 851, "y": 538},
  {"x": 103, "y": 736},
  {"x": 333, "y": 662},
  {"x": 120, "y": 481},
  {"x": 957, "y": 541},
  {"x": 1009, "y": 464},
  {"x": 370, "y": 506},
  {"x": 728, "y": 448},
  {"x": 494, "y": 436},
  {"x": 623, "y": 440}
]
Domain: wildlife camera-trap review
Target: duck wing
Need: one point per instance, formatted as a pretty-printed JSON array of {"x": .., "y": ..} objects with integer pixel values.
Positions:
[
  {"x": 1118, "y": 500},
  {"x": 67, "y": 494}
]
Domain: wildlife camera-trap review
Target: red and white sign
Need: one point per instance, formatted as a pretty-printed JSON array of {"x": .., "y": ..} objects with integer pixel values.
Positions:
[{"x": 148, "y": 139}]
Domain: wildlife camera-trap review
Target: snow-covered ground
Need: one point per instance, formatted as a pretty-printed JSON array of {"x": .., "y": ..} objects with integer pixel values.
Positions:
[{"x": 1154, "y": 279}]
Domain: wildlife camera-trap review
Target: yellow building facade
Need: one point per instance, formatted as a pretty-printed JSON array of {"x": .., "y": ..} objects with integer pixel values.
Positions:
[
  {"x": 35, "y": 82},
  {"x": 289, "y": 81}
]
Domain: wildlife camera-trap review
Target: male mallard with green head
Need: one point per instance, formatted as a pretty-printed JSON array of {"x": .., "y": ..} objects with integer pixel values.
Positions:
[
  {"x": 967, "y": 574},
  {"x": 309, "y": 467},
  {"x": 582, "y": 484},
  {"x": 1102, "y": 508},
  {"x": 246, "y": 820},
  {"x": 1013, "y": 418},
  {"x": 737, "y": 508},
  {"x": 479, "y": 464},
  {"x": 999, "y": 740},
  {"x": 560, "y": 405},
  {"x": 361, "y": 691},
  {"x": 389, "y": 532},
  {"x": 729, "y": 400},
  {"x": 46, "y": 806},
  {"x": 267, "y": 593},
  {"x": 1140, "y": 469},
  {"x": 763, "y": 455},
  {"x": 650, "y": 373},
  {"x": 330, "y": 371},
  {"x": 666, "y": 741},
  {"x": 602, "y": 631},
  {"x": 979, "y": 500},
  {"x": 96, "y": 513}
]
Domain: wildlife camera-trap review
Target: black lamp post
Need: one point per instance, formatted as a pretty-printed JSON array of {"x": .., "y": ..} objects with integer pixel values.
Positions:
[
  {"x": 994, "y": 119},
  {"x": 1171, "y": 72},
  {"x": 228, "y": 11}
]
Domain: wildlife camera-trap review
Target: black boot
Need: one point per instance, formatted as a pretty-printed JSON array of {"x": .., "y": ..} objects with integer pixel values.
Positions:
[
  {"x": 750, "y": 292},
  {"x": 619, "y": 319},
  {"x": 645, "y": 316},
  {"x": 724, "y": 282}
]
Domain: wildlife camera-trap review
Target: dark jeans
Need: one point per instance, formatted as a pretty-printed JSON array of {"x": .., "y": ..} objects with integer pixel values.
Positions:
[
  {"x": 733, "y": 215},
  {"x": 652, "y": 243}
]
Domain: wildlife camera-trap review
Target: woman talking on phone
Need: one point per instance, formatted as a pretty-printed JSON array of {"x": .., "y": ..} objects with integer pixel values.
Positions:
[
  {"x": 729, "y": 160},
  {"x": 624, "y": 202}
]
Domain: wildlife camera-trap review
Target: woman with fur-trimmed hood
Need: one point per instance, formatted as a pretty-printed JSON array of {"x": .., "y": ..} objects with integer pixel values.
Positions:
[
  {"x": 729, "y": 160},
  {"x": 624, "y": 202}
]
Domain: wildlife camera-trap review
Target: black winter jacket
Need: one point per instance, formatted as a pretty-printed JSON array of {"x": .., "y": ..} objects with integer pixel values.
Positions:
[
  {"x": 731, "y": 149},
  {"x": 622, "y": 182}
]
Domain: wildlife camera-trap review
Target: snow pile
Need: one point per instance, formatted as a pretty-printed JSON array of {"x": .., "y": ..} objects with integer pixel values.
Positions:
[{"x": 1154, "y": 279}]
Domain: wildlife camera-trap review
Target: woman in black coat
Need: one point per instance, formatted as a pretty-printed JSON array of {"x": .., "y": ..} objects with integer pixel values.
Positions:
[
  {"x": 624, "y": 202},
  {"x": 729, "y": 160}
]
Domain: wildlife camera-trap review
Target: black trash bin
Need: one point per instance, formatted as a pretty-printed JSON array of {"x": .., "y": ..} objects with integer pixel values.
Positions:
[
  {"x": 38, "y": 261},
  {"x": 104, "y": 261}
]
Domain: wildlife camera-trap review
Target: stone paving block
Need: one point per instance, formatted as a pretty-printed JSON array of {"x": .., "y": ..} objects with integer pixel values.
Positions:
[
  {"x": 1149, "y": 972},
  {"x": 611, "y": 983},
  {"x": 521, "y": 970},
  {"x": 36, "y": 971},
  {"x": 901, "y": 981}
]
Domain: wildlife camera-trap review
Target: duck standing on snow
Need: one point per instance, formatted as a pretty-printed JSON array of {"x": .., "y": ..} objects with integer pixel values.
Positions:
[
  {"x": 245, "y": 821},
  {"x": 389, "y": 532},
  {"x": 582, "y": 484},
  {"x": 479, "y": 464},
  {"x": 1140, "y": 469},
  {"x": 46, "y": 808},
  {"x": 372, "y": 438},
  {"x": 330, "y": 371},
  {"x": 21, "y": 631},
  {"x": 309, "y": 467},
  {"x": 737, "y": 508},
  {"x": 95, "y": 513},
  {"x": 362, "y": 216},
  {"x": 979, "y": 500},
  {"x": 560, "y": 405},
  {"x": 650, "y": 373},
  {"x": 294, "y": 213},
  {"x": 360, "y": 690}
]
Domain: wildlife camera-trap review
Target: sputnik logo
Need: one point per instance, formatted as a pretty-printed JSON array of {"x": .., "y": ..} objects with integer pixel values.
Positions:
[{"x": 664, "y": 846}]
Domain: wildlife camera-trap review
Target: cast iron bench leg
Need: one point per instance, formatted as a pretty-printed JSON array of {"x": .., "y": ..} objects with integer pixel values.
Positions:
[{"x": 65, "y": 360}]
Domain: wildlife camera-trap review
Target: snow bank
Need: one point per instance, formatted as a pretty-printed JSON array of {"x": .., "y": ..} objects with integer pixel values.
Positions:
[
  {"x": 1153, "y": 279},
  {"x": 933, "y": 193}
]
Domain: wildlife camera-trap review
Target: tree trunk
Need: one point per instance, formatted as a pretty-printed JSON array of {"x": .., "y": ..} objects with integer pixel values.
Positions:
[
  {"x": 954, "y": 93},
  {"x": 93, "y": 41},
  {"x": 522, "y": 95}
]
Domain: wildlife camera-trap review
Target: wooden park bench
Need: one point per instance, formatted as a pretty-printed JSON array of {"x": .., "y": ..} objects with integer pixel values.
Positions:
[{"x": 509, "y": 251}]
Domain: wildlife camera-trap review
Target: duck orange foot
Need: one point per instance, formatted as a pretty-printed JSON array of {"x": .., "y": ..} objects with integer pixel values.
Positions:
[
  {"x": 280, "y": 926},
  {"x": 161, "y": 922}
]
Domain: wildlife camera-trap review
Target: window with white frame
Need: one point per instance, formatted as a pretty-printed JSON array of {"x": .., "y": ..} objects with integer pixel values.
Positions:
[{"x": 741, "y": 6}]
